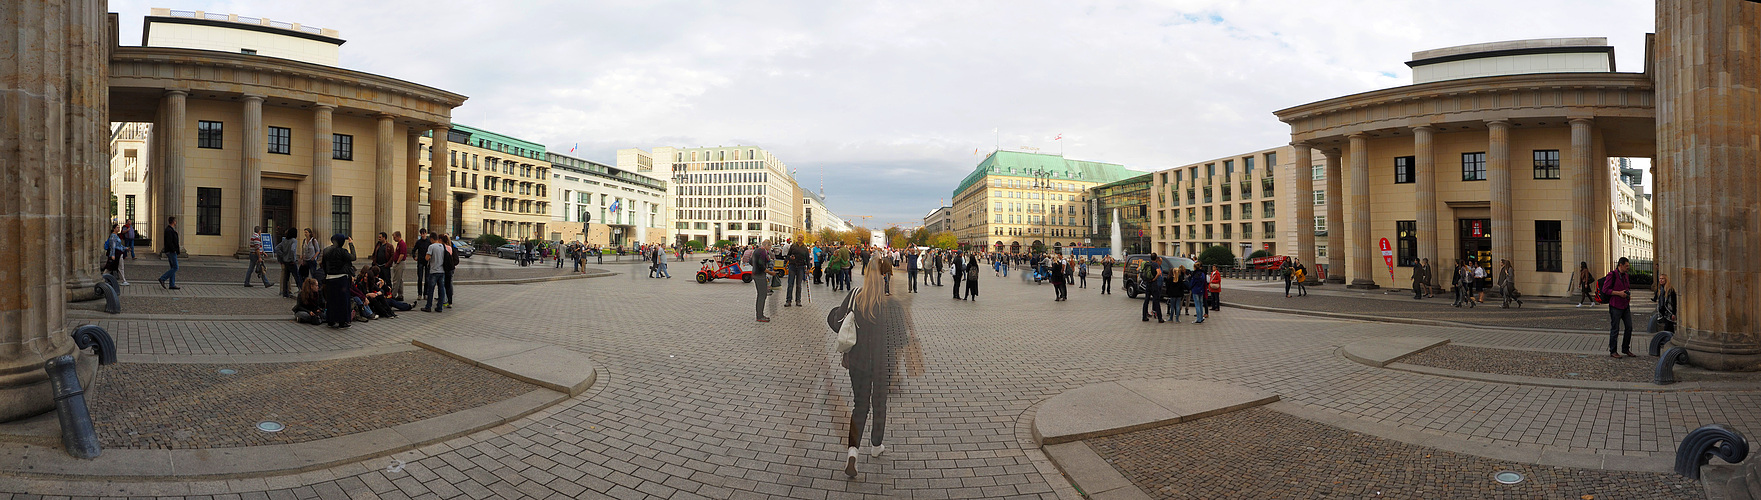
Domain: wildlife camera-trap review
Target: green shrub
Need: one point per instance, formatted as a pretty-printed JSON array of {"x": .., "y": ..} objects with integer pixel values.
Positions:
[
  {"x": 723, "y": 243},
  {"x": 1259, "y": 253},
  {"x": 694, "y": 245},
  {"x": 490, "y": 242},
  {"x": 1217, "y": 256}
]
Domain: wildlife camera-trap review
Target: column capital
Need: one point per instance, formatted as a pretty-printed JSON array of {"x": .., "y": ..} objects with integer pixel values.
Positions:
[
  {"x": 1356, "y": 135},
  {"x": 384, "y": 116},
  {"x": 441, "y": 127},
  {"x": 1499, "y": 122},
  {"x": 1302, "y": 144},
  {"x": 253, "y": 97},
  {"x": 1332, "y": 153},
  {"x": 1581, "y": 119},
  {"x": 318, "y": 106},
  {"x": 1425, "y": 127},
  {"x": 172, "y": 92}
]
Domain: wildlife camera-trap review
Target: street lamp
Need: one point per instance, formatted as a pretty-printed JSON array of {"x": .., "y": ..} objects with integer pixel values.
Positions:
[{"x": 1042, "y": 180}]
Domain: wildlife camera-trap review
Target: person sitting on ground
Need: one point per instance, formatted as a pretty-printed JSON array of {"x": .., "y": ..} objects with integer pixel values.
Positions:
[{"x": 309, "y": 308}]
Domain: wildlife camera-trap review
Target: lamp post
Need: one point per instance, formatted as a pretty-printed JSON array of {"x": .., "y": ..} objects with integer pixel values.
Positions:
[{"x": 1042, "y": 181}]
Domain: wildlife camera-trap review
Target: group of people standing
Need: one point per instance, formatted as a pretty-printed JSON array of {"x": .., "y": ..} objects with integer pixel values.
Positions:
[{"x": 1176, "y": 288}]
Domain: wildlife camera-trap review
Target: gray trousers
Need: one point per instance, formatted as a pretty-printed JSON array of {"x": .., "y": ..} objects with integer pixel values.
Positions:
[
  {"x": 797, "y": 274},
  {"x": 762, "y": 280},
  {"x": 257, "y": 268}
]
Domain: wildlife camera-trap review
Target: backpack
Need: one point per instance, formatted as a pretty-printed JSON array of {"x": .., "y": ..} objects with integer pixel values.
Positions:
[
  {"x": 1600, "y": 296},
  {"x": 452, "y": 260}
]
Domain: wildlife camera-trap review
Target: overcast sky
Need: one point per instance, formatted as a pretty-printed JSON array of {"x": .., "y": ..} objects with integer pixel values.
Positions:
[{"x": 888, "y": 100}]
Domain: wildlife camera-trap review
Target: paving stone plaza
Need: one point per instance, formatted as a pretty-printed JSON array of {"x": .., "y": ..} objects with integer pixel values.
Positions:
[{"x": 694, "y": 400}]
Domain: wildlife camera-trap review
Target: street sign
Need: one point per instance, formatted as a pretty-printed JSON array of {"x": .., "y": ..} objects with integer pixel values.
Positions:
[{"x": 1388, "y": 257}]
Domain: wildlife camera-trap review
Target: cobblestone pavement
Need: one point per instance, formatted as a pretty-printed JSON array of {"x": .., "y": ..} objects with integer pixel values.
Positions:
[
  {"x": 1570, "y": 366},
  {"x": 216, "y": 270},
  {"x": 270, "y": 303},
  {"x": 1537, "y": 313},
  {"x": 697, "y": 401},
  {"x": 1261, "y": 453},
  {"x": 180, "y": 406}
]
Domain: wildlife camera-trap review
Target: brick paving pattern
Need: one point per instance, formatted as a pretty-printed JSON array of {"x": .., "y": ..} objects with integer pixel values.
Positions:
[
  {"x": 270, "y": 303},
  {"x": 142, "y": 272},
  {"x": 698, "y": 401},
  {"x": 1261, "y": 453},
  {"x": 1587, "y": 366},
  {"x": 1538, "y": 313},
  {"x": 182, "y": 406}
]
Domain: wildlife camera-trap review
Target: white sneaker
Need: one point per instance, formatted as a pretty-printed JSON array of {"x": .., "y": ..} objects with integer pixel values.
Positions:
[
  {"x": 1579, "y": 305},
  {"x": 877, "y": 450},
  {"x": 125, "y": 283},
  {"x": 850, "y": 464}
]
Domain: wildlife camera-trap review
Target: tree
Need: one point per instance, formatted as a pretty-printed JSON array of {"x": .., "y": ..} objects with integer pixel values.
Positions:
[
  {"x": 858, "y": 236},
  {"x": 694, "y": 245},
  {"x": 1259, "y": 253},
  {"x": 891, "y": 234},
  {"x": 943, "y": 240},
  {"x": 827, "y": 235},
  {"x": 1038, "y": 247},
  {"x": 723, "y": 243},
  {"x": 920, "y": 237},
  {"x": 1217, "y": 256},
  {"x": 490, "y": 242}
]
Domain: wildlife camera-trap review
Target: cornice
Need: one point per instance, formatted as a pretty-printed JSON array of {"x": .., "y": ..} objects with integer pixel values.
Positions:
[
  {"x": 289, "y": 67},
  {"x": 1468, "y": 86}
]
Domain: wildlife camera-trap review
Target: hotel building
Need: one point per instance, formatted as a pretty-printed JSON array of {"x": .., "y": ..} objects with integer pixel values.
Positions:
[{"x": 1013, "y": 200}]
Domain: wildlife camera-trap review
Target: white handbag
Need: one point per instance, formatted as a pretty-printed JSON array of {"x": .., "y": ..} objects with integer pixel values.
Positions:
[{"x": 840, "y": 321}]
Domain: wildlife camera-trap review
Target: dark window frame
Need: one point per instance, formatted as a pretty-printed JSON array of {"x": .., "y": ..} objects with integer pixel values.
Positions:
[
  {"x": 1546, "y": 163},
  {"x": 1406, "y": 233},
  {"x": 1473, "y": 166},
  {"x": 208, "y": 211},
  {"x": 342, "y": 147},
  {"x": 342, "y": 216},
  {"x": 280, "y": 140},
  {"x": 210, "y": 134},
  {"x": 1549, "y": 246},
  {"x": 1405, "y": 169}
]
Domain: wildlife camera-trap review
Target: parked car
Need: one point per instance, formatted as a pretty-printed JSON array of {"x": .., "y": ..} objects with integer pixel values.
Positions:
[
  {"x": 465, "y": 250},
  {"x": 508, "y": 251},
  {"x": 1134, "y": 286}
]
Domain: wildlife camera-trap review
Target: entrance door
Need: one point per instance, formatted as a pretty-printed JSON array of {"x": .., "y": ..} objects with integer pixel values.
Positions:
[
  {"x": 1476, "y": 240},
  {"x": 278, "y": 211}
]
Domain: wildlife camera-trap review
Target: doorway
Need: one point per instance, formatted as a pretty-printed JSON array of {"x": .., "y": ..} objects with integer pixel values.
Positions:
[
  {"x": 278, "y": 211},
  {"x": 1475, "y": 236}
]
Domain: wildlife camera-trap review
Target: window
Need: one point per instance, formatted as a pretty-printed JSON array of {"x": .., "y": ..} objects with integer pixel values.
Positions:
[
  {"x": 1406, "y": 254},
  {"x": 208, "y": 211},
  {"x": 128, "y": 208},
  {"x": 342, "y": 219},
  {"x": 1320, "y": 251},
  {"x": 1266, "y": 209},
  {"x": 1403, "y": 173},
  {"x": 1473, "y": 166},
  {"x": 1547, "y": 246},
  {"x": 1247, "y": 210},
  {"x": 1320, "y": 225},
  {"x": 1319, "y": 173},
  {"x": 1247, "y": 165},
  {"x": 342, "y": 147},
  {"x": 281, "y": 141},
  {"x": 1320, "y": 197},
  {"x": 1269, "y": 227},
  {"x": 208, "y": 134},
  {"x": 1226, "y": 213},
  {"x": 1546, "y": 164},
  {"x": 247, "y": 51}
]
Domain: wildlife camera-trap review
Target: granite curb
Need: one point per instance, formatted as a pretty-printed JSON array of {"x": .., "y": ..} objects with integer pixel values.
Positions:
[
  {"x": 298, "y": 357},
  {"x": 1565, "y": 383},
  {"x": 1379, "y": 352},
  {"x": 1409, "y": 321}
]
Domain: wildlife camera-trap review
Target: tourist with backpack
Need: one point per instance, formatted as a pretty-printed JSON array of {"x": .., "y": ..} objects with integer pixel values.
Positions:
[{"x": 1616, "y": 288}]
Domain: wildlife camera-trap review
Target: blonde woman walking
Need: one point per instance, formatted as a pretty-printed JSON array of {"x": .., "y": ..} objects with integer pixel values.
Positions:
[{"x": 870, "y": 362}]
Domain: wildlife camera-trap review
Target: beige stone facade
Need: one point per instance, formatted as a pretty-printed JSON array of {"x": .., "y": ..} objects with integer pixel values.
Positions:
[
  {"x": 499, "y": 185},
  {"x": 1014, "y": 199},
  {"x": 128, "y": 174},
  {"x": 1236, "y": 201},
  {"x": 743, "y": 194}
]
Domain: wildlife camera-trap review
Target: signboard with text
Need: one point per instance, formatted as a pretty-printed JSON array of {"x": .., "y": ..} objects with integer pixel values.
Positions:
[{"x": 1388, "y": 257}]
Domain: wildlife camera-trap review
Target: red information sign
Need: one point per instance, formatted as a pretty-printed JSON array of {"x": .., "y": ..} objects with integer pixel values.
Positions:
[
  {"x": 1479, "y": 230},
  {"x": 1388, "y": 257}
]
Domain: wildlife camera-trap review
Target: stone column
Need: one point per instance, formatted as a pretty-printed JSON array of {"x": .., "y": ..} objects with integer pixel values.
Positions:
[
  {"x": 322, "y": 185},
  {"x": 1498, "y": 181},
  {"x": 250, "y": 213},
  {"x": 48, "y": 118},
  {"x": 413, "y": 182},
  {"x": 1305, "y": 206},
  {"x": 175, "y": 131},
  {"x": 1335, "y": 217},
  {"x": 1425, "y": 175},
  {"x": 439, "y": 191},
  {"x": 1583, "y": 196},
  {"x": 1708, "y": 77},
  {"x": 1366, "y": 252},
  {"x": 383, "y": 199}
]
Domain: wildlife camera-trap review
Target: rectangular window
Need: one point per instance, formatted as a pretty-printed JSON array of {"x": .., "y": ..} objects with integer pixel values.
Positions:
[
  {"x": 208, "y": 211},
  {"x": 342, "y": 147},
  {"x": 281, "y": 140},
  {"x": 1473, "y": 166},
  {"x": 1406, "y": 253},
  {"x": 208, "y": 134},
  {"x": 1320, "y": 197},
  {"x": 1267, "y": 210},
  {"x": 1320, "y": 225},
  {"x": 1403, "y": 169},
  {"x": 342, "y": 219},
  {"x": 129, "y": 208},
  {"x": 1247, "y": 165},
  {"x": 1320, "y": 251},
  {"x": 1547, "y": 246},
  {"x": 1247, "y": 210},
  {"x": 1226, "y": 213},
  {"x": 1546, "y": 164},
  {"x": 1269, "y": 228},
  {"x": 1319, "y": 172}
]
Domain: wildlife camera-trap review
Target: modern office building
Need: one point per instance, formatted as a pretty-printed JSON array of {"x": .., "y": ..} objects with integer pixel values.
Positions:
[
  {"x": 254, "y": 126},
  {"x": 615, "y": 207},
  {"x": 742, "y": 194},
  {"x": 1013, "y": 200},
  {"x": 128, "y": 174},
  {"x": 941, "y": 219},
  {"x": 1233, "y": 202},
  {"x": 1128, "y": 201},
  {"x": 499, "y": 184},
  {"x": 1498, "y": 151},
  {"x": 815, "y": 215},
  {"x": 1632, "y": 212}
]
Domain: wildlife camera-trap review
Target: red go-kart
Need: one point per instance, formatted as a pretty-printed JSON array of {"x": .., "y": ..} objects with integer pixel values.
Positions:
[{"x": 713, "y": 270}]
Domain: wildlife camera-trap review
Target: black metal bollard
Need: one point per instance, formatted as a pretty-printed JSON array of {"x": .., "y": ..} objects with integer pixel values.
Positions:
[
  {"x": 111, "y": 279},
  {"x": 77, "y": 434},
  {"x": 1659, "y": 340},
  {"x": 1665, "y": 372},
  {"x": 112, "y": 298},
  {"x": 95, "y": 338},
  {"x": 1701, "y": 444}
]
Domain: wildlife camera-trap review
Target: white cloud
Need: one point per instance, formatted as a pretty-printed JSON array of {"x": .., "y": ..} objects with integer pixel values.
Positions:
[{"x": 888, "y": 99}]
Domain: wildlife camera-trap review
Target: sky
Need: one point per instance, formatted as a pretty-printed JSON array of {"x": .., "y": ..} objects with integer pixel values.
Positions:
[{"x": 887, "y": 102}]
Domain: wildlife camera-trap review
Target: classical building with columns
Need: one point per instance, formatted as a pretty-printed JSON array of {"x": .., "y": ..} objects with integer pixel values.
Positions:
[
  {"x": 252, "y": 137},
  {"x": 1499, "y": 152}
]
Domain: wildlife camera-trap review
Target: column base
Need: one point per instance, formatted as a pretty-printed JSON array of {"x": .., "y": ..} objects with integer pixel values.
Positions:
[
  {"x": 24, "y": 388},
  {"x": 1337, "y": 281},
  {"x": 81, "y": 290},
  {"x": 1362, "y": 284},
  {"x": 1718, "y": 356}
]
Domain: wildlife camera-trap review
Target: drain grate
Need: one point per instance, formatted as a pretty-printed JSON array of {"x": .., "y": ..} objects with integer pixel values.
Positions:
[
  {"x": 270, "y": 426},
  {"x": 228, "y": 371},
  {"x": 1507, "y": 477}
]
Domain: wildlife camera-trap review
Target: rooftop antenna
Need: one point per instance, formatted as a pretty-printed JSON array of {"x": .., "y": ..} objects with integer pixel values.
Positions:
[{"x": 822, "y": 184}]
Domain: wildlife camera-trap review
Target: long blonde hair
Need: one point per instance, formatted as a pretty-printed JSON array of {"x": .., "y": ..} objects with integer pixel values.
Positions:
[{"x": 868, "y": 300}]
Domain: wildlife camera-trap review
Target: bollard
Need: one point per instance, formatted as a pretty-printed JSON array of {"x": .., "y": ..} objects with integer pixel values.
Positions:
[
  {"x": 1665, "y": 372},
  {"x": 1658, "y": 341},
  {"x": 95, "y": 338},
  {"x": 1700, "y": 445},
  {"x": 77, "y": 434},
  {"x": 114, "y": 284},
  {"x": 112, "y": 300}
]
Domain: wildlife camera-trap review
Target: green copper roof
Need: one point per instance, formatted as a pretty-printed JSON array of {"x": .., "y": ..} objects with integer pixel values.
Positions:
[{"x": 1018, "y": 164}]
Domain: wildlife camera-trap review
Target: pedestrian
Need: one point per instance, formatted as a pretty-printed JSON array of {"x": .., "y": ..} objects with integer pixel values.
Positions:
[
  {"x": 1480, "y": 280},
  {"x": 128, "y": 238},
  {"x": 447, "y": 266},
  {"x": 972, "y": 277},
  {"x": 1107, "y": 275},
  {"x": 1464, "y": 281},
  {"x": 1664, "y": 295},
  {"x": 1200, "y": 286},
  {"x": 1289, "y": 272},
  {"x": 958, "y": 271},
  {"x": 433, "y": 276},
  {"x": 870, "y": 363},
  {"x": 1418, "y": 281},
  {"x": 1507, "y": 284},
  {"x": 308, "y": 256},
  {"x": 1430, "y": 284},
  {"x": 1583, "y": 281},
  {"x": 911, "y": 270},
  {"x": 309, "y": 306},
  {"x": 336, "y": 262},
  {"x": 383, "y": 252},
  {"x": 1214, "y": 298},
  {"x": 170, "y": 248},
  {"x": 1149, "y": 276},
  {"x": 1176, "y": 291},
  {"x": 936, "y": 262},
  {"x": 1082, "y": 274},
  {"x": 759, "y": 257},
  {"x": 401, "y": 253},
  {"x": 256, "y": 258},
  {"x": 798, "y": 257},
  {"x": 1617, "y": 287},
  {"x": 1057, "y": 269},
  {"x": 114, "y": 254},
  {"x": 886, "y": 264},
  {"x": 284, "y": 254}
]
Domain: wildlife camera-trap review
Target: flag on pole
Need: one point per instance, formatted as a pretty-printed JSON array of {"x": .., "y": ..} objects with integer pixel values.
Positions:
[
  {"x": 572, "y": 148},
  {"x": 974, "y": 151},
  {"x": 1060, "y": 137},
  {"x": 615, "y": 204}
]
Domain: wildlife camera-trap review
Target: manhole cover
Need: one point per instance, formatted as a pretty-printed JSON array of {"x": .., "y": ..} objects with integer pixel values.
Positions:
[
  {"x": 228, "y": 371},
  {"x": 270, "y": 426},
  {"x": 1507, "y": 477}
]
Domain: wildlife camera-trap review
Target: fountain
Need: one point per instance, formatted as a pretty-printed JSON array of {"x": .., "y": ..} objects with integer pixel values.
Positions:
[{"x": 1118, "y": 242}]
